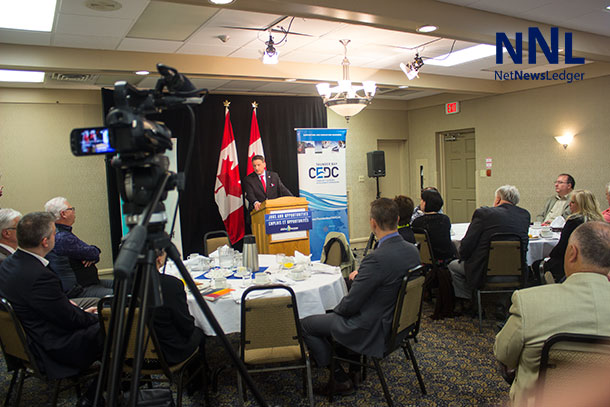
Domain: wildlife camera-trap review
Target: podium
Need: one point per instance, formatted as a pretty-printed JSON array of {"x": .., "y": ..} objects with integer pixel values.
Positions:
[{"x": 285, "y": 242}]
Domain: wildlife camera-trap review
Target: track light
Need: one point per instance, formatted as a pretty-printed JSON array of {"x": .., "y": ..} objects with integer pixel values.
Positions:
[
  {"x": 270, "y": 56},
  {"x": 412, "y": 69}
]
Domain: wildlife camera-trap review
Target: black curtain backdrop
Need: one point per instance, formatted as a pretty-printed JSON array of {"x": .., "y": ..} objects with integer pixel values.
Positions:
[{"x": 278, "y": 116}]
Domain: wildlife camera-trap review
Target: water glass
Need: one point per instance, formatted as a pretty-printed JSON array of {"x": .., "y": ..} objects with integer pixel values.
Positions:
[
  {"x": 220, "y": 282},
  {"x": 225, "y": 256},
  {"x": 246, "y": 279},
  {"x": 280, "y": 258}
]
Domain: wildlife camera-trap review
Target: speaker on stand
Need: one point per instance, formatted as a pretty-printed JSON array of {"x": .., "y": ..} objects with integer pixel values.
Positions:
[{"x": 375, "y": 161}]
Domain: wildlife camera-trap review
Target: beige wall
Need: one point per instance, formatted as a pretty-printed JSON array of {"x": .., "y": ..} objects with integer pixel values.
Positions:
[
  {"x": 36, "y": 163},
  {"x": 363, "y": 131},
  {"x": 517, "y": 131}
]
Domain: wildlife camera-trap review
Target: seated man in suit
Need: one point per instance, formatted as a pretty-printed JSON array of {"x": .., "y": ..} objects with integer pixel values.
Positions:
[
  {"x": 72, "y": 259},
  {"x": 8, "y": 232},
  {"x": 581, "y": 304},
  {"x": 262, "y": 184},
  {"x": 468, "y": 273},
  {"x": 363, "y": 319},
  {"x": 64, "y": 338}
]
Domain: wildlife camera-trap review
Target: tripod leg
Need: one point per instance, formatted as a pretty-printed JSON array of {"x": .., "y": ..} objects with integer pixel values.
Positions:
[{"x": 173, "y": 254}]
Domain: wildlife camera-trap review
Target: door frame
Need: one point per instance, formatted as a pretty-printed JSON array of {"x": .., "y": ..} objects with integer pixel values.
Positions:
[{"x": 440, "y": 159}]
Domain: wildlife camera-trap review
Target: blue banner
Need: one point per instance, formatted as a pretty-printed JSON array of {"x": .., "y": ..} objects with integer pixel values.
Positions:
[
  {"x": 322, "y": 181},
  {"x": 293, "y": 221}
]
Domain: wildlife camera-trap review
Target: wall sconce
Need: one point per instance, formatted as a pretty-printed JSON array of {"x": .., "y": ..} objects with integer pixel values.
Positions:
[{"x": 565, "y": 140}]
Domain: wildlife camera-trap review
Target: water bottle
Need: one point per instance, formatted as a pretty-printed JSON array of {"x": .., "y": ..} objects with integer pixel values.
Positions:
[{"x": 250, "y": 253}]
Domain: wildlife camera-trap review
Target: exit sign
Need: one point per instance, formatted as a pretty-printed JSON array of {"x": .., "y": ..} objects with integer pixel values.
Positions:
[{"x": 452, "y": 108}]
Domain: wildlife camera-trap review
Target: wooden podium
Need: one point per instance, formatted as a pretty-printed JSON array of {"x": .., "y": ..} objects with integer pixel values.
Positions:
[{"x": 286, "y": 242}]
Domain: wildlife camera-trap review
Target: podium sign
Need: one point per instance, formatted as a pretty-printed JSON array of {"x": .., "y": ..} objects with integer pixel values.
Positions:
[{"x": 287, "y": 221}]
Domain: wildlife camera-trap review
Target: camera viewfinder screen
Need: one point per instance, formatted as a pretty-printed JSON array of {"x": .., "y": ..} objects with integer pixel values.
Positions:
[{"x": 95, "y": 141}]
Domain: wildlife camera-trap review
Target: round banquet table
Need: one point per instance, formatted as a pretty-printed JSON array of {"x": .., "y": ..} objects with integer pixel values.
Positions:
[
  {"x": 538, "y": 247},
  {"x": 315, "y": 295}
]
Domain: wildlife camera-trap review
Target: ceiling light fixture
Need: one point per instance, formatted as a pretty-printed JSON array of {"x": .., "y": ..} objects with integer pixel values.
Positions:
[
  {"x": 412, "y": 69},
  {"x": 32, "y": 15},
  {"x": 143, "y": 73},
  {"x": 345, "y": 99},
  {"x": 427, "y": 28},
  {"x": 271, "y": 55},
  {"x": 21, "y": 76},
  {"x": 221, "y": 1}
]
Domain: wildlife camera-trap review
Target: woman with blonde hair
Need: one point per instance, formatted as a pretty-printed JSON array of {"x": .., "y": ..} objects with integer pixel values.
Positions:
[
  {"x": 606, "y": 213},
  {"x": 584, "y": 208}
]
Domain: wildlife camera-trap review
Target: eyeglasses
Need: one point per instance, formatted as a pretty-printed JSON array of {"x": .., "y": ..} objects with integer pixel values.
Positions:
[
  {"x": 10, "y": 228},
  {"x": 560, "y": 182},
  {"x": 70, "y": 209}
]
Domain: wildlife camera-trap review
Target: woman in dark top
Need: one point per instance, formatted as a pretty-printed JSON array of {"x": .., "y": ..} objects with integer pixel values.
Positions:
[
  {"x": 584, "y": 208},
  {"x": 437, "y": 224},
  {"x": 405, "y": 210}
]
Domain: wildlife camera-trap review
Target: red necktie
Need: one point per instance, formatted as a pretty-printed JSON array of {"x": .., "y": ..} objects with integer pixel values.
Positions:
[{"x": 263, "y": 181}]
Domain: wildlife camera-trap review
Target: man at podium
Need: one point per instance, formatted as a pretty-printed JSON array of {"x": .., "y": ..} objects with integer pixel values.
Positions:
[{"x": 262, "y": 184}]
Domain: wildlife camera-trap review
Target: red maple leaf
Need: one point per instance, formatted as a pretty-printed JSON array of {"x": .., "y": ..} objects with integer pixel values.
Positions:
[{"x": 229, "y": 178}]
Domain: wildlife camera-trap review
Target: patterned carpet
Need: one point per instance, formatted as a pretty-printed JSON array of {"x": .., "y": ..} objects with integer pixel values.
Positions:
[{"x": 456, "y": 362}]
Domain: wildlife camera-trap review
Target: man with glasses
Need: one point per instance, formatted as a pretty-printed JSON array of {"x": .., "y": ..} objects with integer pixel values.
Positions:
[
  {"x": 8, "y": 232},
  {"x": 72, "y": 259},
  {"x": 558, "y": 204}
]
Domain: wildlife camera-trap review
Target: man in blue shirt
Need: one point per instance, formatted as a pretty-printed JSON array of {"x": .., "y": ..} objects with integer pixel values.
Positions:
[{"x": 72, "y": 259}]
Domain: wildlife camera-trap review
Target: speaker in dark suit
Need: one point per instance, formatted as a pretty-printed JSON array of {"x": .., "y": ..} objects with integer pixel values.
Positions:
[{"x": 253, "y": 187}]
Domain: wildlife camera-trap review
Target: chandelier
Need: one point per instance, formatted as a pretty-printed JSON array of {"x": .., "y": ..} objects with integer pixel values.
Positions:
[{"x": 346, "y": 99}]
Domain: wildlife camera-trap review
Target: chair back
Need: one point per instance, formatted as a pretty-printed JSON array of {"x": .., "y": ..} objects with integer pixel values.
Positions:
[
  {"x": 270, "y": 327},
  {"x": 13, "y": 340},
  {"x": 407, "y": 312},
  {"x": 336, "y": 252},
  {"x": 213, "y": 240},
  {"x": 507, "y": 256},
  {"x": 422, "y": 240},
  {"x": 333, "y": 257},
  {"x": 567, "y": 355}
]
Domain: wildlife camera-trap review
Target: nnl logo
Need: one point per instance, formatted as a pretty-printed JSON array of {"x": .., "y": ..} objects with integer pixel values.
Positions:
[{"x": 535, "y": 36}]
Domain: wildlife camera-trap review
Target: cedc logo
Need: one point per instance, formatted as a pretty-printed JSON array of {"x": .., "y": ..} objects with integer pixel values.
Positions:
[{"x": 323, "y": 172}]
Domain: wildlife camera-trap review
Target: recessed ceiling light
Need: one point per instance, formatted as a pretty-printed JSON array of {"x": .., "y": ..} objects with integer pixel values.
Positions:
[
  {"x": 403, "y": 86},
  {"x": 21, "y": 76},
  {"x": 221, "y": 1},
  {"x": 142, "y": 72},
  {"x": 427, "y": 28},
  {"x": 607, "y": 8},
  {"x": 464, "y": 55},
  {"x": 32, "y": 15},
  {"x": 290, "y": 80}
]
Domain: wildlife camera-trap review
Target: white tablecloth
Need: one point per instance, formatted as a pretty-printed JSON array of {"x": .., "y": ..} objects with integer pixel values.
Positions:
[
  {"x": 538, "y": 248},
  {"x": 315, "y": 295}
]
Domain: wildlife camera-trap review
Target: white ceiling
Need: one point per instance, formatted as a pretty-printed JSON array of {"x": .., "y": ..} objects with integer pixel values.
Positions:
[{"x": 181, "y": 28}]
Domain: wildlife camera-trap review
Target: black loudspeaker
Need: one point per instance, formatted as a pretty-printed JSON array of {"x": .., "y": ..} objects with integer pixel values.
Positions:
[{"x": 375, "y": 161}]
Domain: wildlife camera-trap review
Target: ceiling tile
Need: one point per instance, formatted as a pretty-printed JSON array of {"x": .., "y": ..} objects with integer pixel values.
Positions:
[
  {"x": 85, "y": 41},
  {"x": 146, "y": 45},
  {"x": 92, "y": 26}
]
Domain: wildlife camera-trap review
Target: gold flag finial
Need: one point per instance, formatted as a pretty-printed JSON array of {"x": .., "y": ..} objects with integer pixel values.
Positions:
[
  {"x": 226, "y": 103},
  {"x": 254, "y": 105}
]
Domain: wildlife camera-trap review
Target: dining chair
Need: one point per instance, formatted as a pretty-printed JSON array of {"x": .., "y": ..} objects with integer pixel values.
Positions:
[
  {"x": 271, "y": 337},
  {"x": 154, "y": 364},
  {"x": 422, "y": 240},
  {"x": 568, "y": 355},
  {"x": 336, "y": 252},
  {"x": 507, "y": 268},
  {"x": 405, "y": 326},
  {"x": 215, "y": 239},
  {"x": 20, "y": 360}
]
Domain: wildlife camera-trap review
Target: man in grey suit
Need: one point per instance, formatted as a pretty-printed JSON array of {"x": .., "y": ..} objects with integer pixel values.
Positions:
[
  {"x": 468, "y": 273},
  {"x": 581, "y": 304},
  {"x": 8, "y": 232},
  {"x": 363, "y": 319}
]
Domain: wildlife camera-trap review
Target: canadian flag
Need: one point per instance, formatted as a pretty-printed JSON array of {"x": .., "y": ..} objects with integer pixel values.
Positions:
[
  {"x": 256, "y": 144},
  {"x": 227, "y": 192}
]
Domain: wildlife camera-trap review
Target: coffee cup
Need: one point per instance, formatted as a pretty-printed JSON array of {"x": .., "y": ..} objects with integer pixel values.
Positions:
[
  {"x": 261, "y": 278},
  {"x": 220, "y": 282},
  {"x": 546, "y": 231}
]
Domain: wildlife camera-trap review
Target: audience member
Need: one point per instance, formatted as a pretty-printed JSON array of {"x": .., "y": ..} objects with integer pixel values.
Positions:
[
  {"x": 468, "y": 273},
  {"x": 558, "y": 204},
  {"x": 405, "y": 210},
  {"x": 72, "y": 259},
  {"x": 64, "y": 338},
  {"x": 437, "y": 224},
  {"x": 363, "y": 319},
  {"x": 8, "y": 232},
  {"x": 606, "y": 213},
  {"x": 580, "y": 305},
  {"x": 174, "y": 326},
  {"x": 417, "y": 211},
  {"x": 584, "y": 208}
]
